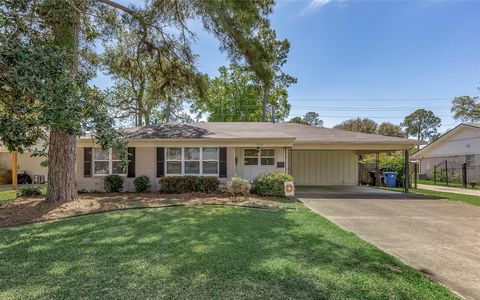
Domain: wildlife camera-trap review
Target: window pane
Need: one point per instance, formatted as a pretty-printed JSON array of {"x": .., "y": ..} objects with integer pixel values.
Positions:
[
  {"x": 117, "y": 168},
  {"x": 116, "y": 154},
  {"x": 251, "y": 161},
  {"x": 210, "y": 167},
  {"x": 470, "y": 160},
  {"x": 99, "y": 154},
  {"x": 251, "y": 152},
  {"x": 270, "y": 161},
  {"x": 210, "y": 153},
  {"x": 174, "y": 167},
  {"x": 101, "y": 167},
  {"x": 267, "y": 152},
  {"x": 192, "y": 167},
  {"x": 192, "y": 153},
  {"x": 174, "y": 153}
]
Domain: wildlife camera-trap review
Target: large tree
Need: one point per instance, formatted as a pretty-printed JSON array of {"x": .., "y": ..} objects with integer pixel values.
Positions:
[
  {"x": 422, "y": 124},
  {"x": 310, "y": 118},
  {"x": 46, "y": 55},
  {"x": 364, "y": 125},
  {"x": 466, "y": 109},
  {"x": 233, "y": 96},
  {"x": 389, "y": 129}
]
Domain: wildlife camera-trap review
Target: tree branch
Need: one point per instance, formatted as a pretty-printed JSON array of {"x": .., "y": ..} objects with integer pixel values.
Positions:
[{"x": 118, "y": 6}]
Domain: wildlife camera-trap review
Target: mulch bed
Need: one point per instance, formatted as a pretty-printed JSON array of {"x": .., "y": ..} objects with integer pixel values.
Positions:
[{"x": 26, "y": 210}]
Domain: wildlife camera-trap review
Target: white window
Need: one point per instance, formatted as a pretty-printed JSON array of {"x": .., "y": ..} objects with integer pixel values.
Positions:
[
  {"x": 106, "y": 162},
  {"x": 192, "y": 161},
  {"x": 267, "y": 157},
  {"x": 174, "y": 161},
  {"x": 470, "y": 160},
  {"x": 210, "y": 161},
  {"x": 255, "y": 157}
]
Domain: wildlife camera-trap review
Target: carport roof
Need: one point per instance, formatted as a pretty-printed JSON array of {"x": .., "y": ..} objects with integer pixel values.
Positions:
[{"x": 297, "y": 133}]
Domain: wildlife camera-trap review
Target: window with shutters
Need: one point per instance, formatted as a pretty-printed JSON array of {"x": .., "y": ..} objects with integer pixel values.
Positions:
[
  {"x": 107, "y": 162},
  {"x": 192, "y": 161}
]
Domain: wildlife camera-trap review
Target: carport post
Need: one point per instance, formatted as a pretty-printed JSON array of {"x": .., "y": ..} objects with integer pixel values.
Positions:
[{"x": 406, "y": 173}]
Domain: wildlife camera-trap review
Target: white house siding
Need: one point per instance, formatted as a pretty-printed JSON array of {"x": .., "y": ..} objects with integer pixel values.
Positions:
[
  {"x": 319, "y": 167},
  {"x": 250, "y": 172}
]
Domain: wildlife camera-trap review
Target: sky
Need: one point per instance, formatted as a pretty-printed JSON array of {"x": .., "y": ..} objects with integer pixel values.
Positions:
[{"x": 376, "y": 59}]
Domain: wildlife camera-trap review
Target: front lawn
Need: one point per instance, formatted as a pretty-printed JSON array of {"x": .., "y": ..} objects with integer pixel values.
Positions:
[
  {"x": 474, "y": 200},
  {"x": 202, "y": 252},
  {"x": 7, "y": 195}
]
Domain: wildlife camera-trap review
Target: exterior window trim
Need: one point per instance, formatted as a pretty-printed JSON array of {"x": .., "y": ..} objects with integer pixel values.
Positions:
[
  {"x": 259, "y": 157},
  {"x": 110, "y": 161},
  {"x": 200, "y": 161}
]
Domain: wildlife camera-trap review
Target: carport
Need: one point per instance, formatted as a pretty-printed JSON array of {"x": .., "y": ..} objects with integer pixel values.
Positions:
[{"x": 322, "y": 156}]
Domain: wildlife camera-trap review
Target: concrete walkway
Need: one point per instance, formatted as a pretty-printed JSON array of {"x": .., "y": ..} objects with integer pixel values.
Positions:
[
  {"x": 448, "y": 189},
  {"x": 440, "y": 238}
]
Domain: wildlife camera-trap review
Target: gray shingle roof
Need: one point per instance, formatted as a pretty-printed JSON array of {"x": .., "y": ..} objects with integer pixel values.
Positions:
[{"x": 258, "y": 130}]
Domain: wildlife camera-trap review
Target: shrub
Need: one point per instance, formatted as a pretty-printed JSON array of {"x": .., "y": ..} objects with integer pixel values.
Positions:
[
  {"x": 271, "y": 184},
  {"x": 238, "y": 187},
  {"x": 27, "y": 191},
  {"x": 113, "y": 183},
  {"x": 188, "y": 184},
  {"x": 142, "y": 184}
]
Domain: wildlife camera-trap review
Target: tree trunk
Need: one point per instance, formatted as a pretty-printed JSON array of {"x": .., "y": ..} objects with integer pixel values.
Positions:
[
  {"x": 264, "y": 103},
  {"x": 62, "y": 156},
  {"x": 62, "y": 178}
]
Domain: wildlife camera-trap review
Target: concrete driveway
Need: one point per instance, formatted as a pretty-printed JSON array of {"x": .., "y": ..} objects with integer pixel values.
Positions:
[{"x": 438, "y": 237}]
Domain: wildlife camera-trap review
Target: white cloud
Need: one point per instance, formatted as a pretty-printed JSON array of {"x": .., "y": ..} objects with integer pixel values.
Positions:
[{"x": 316, "y": 4}]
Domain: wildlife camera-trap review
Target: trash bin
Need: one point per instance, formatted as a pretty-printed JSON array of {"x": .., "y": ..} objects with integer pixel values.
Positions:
[{"x": 390, "y": 178}]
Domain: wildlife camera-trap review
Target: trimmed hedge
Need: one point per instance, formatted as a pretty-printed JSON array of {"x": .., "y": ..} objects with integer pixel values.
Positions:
[
  {"x": 188, "y": 184},
  {"x": 142, "y": 184},
  {"x": 113, "y": 183},
  {"x": 271, "y": 184}
]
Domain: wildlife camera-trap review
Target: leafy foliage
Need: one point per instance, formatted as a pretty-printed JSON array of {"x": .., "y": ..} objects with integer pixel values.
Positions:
[
  {"x": 188, "y": 184},
  {"x": 237, "y": 187},
  {"x": 466, "y": 109},
  {"x": 422, "y": 124},
  {"x": 271, "y": 184},
  {"x": 364, "y": 125},
  {"x": 310, "y": 118},
  {"x": 389, "y": 129},
  {"x": 142, "y": 184},
  {"x": 234, "y": 96},
  {"x": 27, "y": 191},
  {"x": 113, "y": 183}
]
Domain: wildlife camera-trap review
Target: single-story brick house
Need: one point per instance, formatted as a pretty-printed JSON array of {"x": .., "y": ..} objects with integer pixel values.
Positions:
[
  {"x": 313, "y": 155},
  {"x": 457, "y": 146}
]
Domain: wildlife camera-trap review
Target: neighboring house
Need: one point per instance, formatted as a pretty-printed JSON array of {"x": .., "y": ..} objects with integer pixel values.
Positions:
[
  {"x": 457, "y": 146},
  {"x": 313, "y": 155}
]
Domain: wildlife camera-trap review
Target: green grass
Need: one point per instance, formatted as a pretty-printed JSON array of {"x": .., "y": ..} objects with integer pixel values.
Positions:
[
  {"x": 7, "y": 195},
  {"x": 202, "y": 253},
  {"x": 474, "y": 200},
  {"x": 441, "y": 183}
]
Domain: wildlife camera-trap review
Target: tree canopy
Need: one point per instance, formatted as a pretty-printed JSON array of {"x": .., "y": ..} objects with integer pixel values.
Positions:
[
  {"x": 364, "y": 125},
  {"x": 310, "y": 118},
  {"x": 48, "y": 55},
  {"x": 422, "y": 124},
  {"x": 389, "y": 129},
  {"x": 233, "y": 96},
  {"x": 466, "y": 109}
]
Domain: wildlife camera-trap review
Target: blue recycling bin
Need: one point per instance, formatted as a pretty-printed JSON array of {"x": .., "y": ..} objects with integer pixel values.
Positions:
[{"x": 390, "y": 178}]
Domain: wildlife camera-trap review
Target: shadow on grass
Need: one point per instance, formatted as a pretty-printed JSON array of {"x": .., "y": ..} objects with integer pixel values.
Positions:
[{"x": 200, "y": 252}]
